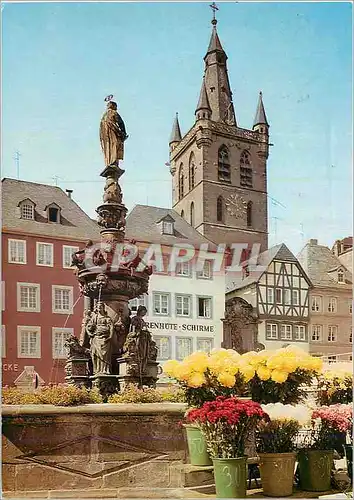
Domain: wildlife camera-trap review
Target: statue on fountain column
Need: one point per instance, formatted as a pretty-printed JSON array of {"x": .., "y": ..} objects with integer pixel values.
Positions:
[
  {"x": 112, "y": 134},
  {"x": 100, "y": 330}
]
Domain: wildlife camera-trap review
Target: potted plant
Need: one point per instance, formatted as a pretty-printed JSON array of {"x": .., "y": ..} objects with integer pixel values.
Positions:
[
  {"x": 335, "y": 386},
  {"x": 276, "y": 435},
  {"x": 347, "y": 411},
  {"x": 204, "y": 377},
  {"x": 225, "y": 423},
  {"x": 315, "y": 462},
  {"x": 281, "y": 375}
]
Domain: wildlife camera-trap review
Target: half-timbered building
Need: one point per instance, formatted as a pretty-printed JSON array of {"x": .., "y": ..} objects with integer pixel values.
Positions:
[{"x": 278, "y": 289}]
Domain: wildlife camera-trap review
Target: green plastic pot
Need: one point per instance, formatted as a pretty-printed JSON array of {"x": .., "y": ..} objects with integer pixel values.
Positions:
[
  {"x": 315, "y": 468},
  {"x": 348, "y": 451},
  {"x": 277, "y": 473},
  {"x": 230, "y": 476},
  {"x": 197, "y": 447}
]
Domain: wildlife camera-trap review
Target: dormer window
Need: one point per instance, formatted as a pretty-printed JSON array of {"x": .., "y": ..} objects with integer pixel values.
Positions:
[
  {"x": 341, "y": 276},
  {"x": 167, "y": 227},
  {"x": 53, "y": 213},
  {"x": 27, "y": 209}
]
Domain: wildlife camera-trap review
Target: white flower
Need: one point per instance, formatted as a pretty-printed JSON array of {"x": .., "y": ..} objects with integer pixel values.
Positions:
[{"x": 278, "y": 411}]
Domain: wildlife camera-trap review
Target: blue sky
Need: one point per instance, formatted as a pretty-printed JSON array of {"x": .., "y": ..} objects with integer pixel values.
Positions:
[{"x": 61, "y": 59}]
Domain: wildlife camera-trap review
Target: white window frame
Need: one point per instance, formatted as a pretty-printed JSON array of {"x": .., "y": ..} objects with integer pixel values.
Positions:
[
  {"x": 210, "y": 307},
  {"x": 142, "y": 300},
  {"x": 318, "y": 332},
  {"x": 73, "y": 250},
  {"x": 286, "y": 331},
  {"x": 24, "y": 242},
  {"x": 207, "y": 272},
  {"x": 56, "y": 330},
  {"x": 332, "y": 359},
  {"x": 341, "y": 278},
  {"x": 71, "y": 295},
  {"x": 332, "y": 305},
  {"x": 167, "y": 227},
  {"x": 3, "y": 341},
  {"x": 185, "y": 299},
  {"x": 24, "y": 205},
  {"x": 281, "y": 296},
  {"x": 287, "y": 296},
  {"x": 179, "y": 358},
  {"x": 160, "y": 294},
  {"x": 270, "y": 295},
  {"x": 332, "y": 335},
  {"x": 37, "y": 330},
  {"x": 158, "y": 338},
  {"x": 183, "y": 269},
  {"x": 272, "y": 334},
  {"x": 316, "y": 303},
  {"x": 205, "y": 339},
  {"x": 295, "y": 293},
  {"x": 38, "y": 243},
  {"x": 37, "y": 308},
  {"x": 300, "y": 332}
]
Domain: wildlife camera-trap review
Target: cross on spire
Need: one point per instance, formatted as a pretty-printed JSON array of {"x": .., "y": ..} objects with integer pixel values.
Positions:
[{"x": 214, "y": 8}]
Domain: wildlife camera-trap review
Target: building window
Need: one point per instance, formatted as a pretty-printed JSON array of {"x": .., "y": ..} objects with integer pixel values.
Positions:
[
  {"x": 270, "y": 295},
  {"x": 163, "y": 344},
  {"x": 295, "y": 295},
  {"x": 204, "y": 307},
  {"x": 62, "y": 299},
  {"x": 286, "y": 332},
  {"x": 28, "y": 297},
  {"x": 3, "y": 342},
  {"x": 183, "y": 269},
  {"x": 316, "y": 303},
  {"x": 206, "y": 272},
  {"x": 138, "y": 301},
  {"x": 332, "y": 304},
  {"x": 249, "y": 214},
  {"x": 272, "y": 331},
  {"x": 44, "y": 254},
  {"x": 224, "y": 173},
  {"x": 350, "y": 307},
  {"x": 299, "y": 332},
  {"x": 246, "y": 177},
  {"x": 182, "y": 214},
  {"x": 53, "y": 214},
  {"x": 341, "y": 276},
  {"x": 245, "y": 160},
  {"x": 27, "y": 210},
  {"x": 17, "y": 251},
  {"x": 287, "y": 295},
  {"x": 167, "y": 227},
  {"x": 180, "y": 183},
  {"x": 316, "y": 333},
  {"x": 28, "y": 341},
  {"x": 204, "y": 344},
  {"x": 192, "y": 213},
  {"x": 67, "y": 255},
  {"x": 351, "y": 335},
  {"x": 161, "y": 303},
  {"x": 278, "y": 296},
  {"x": 191, "y": 172},
  {"x": 220, "y": 209},
  {"x": 183, "y": 305},
  {"x": 331, "y": 359},
  {"x": 59, "y": 336},
  {"x": 184, "y": 347},
  {"x": 332, "y": 333}
]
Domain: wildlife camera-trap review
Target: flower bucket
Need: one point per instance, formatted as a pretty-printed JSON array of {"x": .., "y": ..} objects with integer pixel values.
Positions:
[
  {"x": 230, "y": 477},
  {"x": 348, "y": 450},
  {"x": 197, "y": 447},
  {"x": 277, "y": 473},
  {"x": 315, "y": 468}
]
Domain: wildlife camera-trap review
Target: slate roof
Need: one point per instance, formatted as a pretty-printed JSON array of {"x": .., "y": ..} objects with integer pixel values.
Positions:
[
  {"x": 75, "y": 223},
  {"x": 319, "y": 264},
  {"x": 260, "y": 117},
  {"x": 143, "y": 225},
  {"x": 278, "y": 252}
]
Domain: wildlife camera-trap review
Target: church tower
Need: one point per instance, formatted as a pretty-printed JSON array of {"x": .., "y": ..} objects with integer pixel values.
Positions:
[{"x": 218, "y": 168}]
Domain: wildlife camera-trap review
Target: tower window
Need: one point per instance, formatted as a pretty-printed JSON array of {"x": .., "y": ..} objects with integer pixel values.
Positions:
[
  {"x": 192, "y": 214},
  {"x": 191, "y": 172},
  {"x": 224, "y": 173},
  {"x": 245, "y": 170},
  {"x": 180, "y": 183},
  {"x": 249, "y": 214},
  {"x": 182, "y": 214},
  {"x": 219, "y": 209}
]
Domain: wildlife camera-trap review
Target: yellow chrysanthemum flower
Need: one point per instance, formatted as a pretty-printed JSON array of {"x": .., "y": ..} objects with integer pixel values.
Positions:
[
  {"x": 279, "y": 376},
  {"x": 170, "y": 367},
  {"x": 247, "y": 371},
  {"x": 226, "y": 379},
  {"x": 263, "y": 373},
  {"x": 196, "y": 380}
]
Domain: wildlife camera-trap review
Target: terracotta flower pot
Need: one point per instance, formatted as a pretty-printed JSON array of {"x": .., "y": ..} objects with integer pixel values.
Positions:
[
  {"x": 315, "y": 468},
  {"x": 230, "y": 476},
  {"x": 197, "y": 447},
  {"x": 277, "y": 473}
]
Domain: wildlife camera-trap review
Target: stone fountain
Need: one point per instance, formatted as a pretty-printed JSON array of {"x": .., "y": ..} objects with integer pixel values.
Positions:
[{"x": 114, "y": 349}]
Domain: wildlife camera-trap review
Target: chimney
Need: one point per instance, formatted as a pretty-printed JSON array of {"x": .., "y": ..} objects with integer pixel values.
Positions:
[
  {"x": 313, "y": 242},
  {"x": 68, "y": 192}
]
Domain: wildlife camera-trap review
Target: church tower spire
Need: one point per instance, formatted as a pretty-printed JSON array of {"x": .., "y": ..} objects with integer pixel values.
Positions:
[
  {"x": 203, "y": 110},
  {"x": 216, "y": 79},
  {"x": 176, "y": 135},
  {"x": 260, "y": 117}
]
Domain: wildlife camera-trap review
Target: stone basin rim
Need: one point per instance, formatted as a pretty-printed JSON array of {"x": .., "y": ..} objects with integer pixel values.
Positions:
[{"x": 96, "y": 408}]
